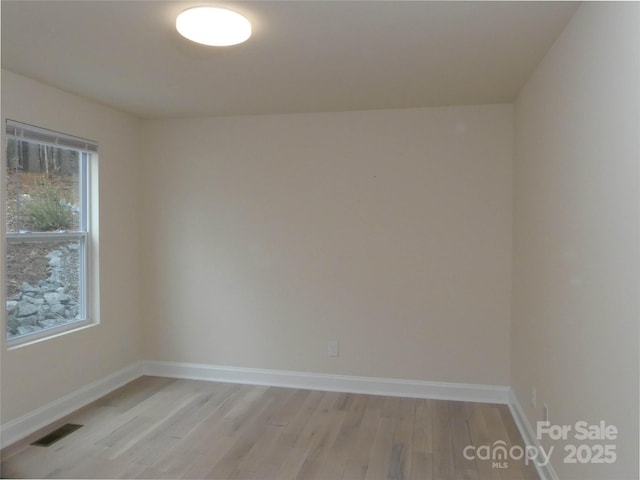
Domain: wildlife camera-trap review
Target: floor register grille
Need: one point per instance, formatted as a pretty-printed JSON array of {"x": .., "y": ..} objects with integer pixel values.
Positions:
[{"x": 57, "y": 434}]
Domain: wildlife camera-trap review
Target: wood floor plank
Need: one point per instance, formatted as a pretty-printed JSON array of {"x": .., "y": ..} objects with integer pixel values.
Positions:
[
  {"x": 294, "y": 428},
  {"x": 402, "y": 448},
  {"x": 421, "y": 466},
  {"x": 196, "y": 443},
  {"x": 381, "y": 451},
  {"x": 317, "y": 456},
  {"x": 243, "y": 435},
  {"x": 317, "y": 435},
  {"x": 292, "y": 463},
  {"x": 423, "y": 426},
  {"x": 271, "y": 429},
  {"x": 283, "y": 445},
  {"x": 441, "y": 437},
  {"x": 218, "y": 437},
  {"x": 422, "y": 442},
  {"x": 498, "y": 432},
  {"x": 527, "y": 468},
  {"x": 480, "y": 436},
  {"x": 336, "y": 460},
  {"x": 357, "y": 463},
  {"x": 169, "y": 428},
  {"x": 465, "y": 468}
]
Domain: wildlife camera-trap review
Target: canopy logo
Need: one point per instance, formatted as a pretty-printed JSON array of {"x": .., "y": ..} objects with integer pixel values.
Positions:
[{"x": 499, "y": 453}]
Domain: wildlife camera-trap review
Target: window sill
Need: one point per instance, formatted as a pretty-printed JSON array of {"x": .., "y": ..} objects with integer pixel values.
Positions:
[{"x": 15, "y": 344}]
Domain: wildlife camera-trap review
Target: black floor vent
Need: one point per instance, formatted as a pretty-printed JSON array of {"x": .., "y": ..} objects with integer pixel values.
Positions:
[{"x": 56, "y": 435}]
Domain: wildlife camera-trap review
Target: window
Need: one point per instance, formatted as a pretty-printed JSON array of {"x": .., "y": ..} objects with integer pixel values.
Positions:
[{"x": 47, "y": 232}]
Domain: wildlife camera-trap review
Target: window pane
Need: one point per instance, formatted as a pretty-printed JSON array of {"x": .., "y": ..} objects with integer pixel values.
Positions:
[
  {"x": 13, "y": 185},
  {"x": 43, "y": 285},
  {"x": 43, "y": 193}
]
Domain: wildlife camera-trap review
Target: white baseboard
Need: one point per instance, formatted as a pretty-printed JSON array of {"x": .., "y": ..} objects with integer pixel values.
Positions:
[
  {"x": 25, "y": 425},
  {"x": 333, "y": 383},
  {"x": 546, "y": 472}
]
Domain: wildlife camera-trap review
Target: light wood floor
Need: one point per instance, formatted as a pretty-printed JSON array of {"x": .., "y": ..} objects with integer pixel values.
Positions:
[{"x": 166, "y": 428}]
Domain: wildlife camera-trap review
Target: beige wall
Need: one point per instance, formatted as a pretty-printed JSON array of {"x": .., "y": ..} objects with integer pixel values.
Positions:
[
  {"x": 389, "y": 231},
  {"x": 37, "y": 374},
  {"x": 577, "y": 243}
]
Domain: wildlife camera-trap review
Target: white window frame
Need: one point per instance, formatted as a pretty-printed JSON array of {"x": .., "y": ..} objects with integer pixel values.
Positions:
[{"x": 88, "y": 151}]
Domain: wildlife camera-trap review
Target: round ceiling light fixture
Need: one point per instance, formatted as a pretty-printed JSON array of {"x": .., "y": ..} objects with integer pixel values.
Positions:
[{"x": 213, "y": 26}]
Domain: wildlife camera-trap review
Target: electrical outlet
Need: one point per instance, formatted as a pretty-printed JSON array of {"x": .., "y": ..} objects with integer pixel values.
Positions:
[
  {"x": 534, "y": 399},
  {"x": 545, "y": 412},
  {"x": 332, "y": 348}
]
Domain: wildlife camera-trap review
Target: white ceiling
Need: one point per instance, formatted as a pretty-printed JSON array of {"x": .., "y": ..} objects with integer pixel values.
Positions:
[{"x": 304, "y": 56}]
